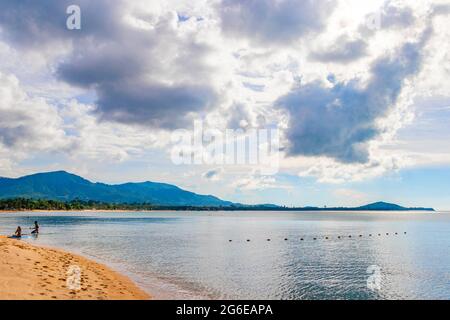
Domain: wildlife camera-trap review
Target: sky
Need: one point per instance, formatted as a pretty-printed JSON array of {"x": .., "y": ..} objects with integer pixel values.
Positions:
[{"x": 354, "y": 96}]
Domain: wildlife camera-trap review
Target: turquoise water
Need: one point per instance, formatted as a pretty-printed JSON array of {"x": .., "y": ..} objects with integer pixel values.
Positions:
[{"x": 189, "y": 255}]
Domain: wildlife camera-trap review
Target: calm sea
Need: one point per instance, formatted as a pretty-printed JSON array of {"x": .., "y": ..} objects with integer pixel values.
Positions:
[{"x": 189, "y": 254}]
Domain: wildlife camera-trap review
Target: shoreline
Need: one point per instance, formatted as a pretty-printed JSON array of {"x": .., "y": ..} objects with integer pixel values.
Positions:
[
  {"x": 87, "y": 210},
  {"x": 166, "y": 210},
  {"x": 29, "y": 272}
]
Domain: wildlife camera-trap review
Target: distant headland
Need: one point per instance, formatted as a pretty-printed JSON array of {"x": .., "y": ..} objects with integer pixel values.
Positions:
[{"x": 61, "y": 190}]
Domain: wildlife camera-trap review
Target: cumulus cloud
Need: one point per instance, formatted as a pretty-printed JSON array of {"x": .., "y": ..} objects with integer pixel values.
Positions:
[
  {"x": 147, "y": 65},
  {"x": 340, "y": 120},
  {"x": 145, "y": 69},
  {"x": 104, "y": 141},
  {"x": 333, "y": 172},
  {"x": 29, "y": 23},
  {"x": 275, "y": 22},
  {"x": 28, "y": 123},
  {"x": 394, "y": 16},
  {"x": 343, "y": 51},
  {"x": 32, "y": 126},
  {"x": 391, "y": 16}
]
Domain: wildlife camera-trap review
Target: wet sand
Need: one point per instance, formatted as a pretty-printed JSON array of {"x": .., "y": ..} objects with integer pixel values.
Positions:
[{"x": 29, "y": 272}]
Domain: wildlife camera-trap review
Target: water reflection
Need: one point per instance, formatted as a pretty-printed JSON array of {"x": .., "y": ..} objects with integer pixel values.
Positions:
[{"x": 189, "y": 255}]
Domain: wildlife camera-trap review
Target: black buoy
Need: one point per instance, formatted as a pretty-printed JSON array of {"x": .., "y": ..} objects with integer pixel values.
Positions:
[
  {"x": 248, "y": 240},
  {"x": 360, "y": 235},
  {"x": 285, "y": 239},
  {"x": 230, "y": 240},
  {"x": 370, "y": 235},
  {"x": 404, "y": 232},
  {"x": 349, "y": 236},
  {"x": 301, "y": 239},
  {"x": 396, "y": 233},
  {"x": 339, "y": 237},
  {"x": 268, "y": 239},
  {"x": 387, "y": 234},
  {"x": 314, "y": 238},
  {"x": 379, "y": 234},
  {"x": 326, "y": 238}
]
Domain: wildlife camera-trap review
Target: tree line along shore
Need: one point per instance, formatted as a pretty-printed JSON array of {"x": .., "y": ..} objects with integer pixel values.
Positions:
[
  {"x": 30, "y": 204},
  {"x": 25, "y": 204}
]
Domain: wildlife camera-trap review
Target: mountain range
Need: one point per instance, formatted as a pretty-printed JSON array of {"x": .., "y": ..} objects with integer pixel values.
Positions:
[{"x": 64, "y": 186}]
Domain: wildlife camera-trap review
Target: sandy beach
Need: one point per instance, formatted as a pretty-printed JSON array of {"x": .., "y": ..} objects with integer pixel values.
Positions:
[{"x": 29, "y": 272}]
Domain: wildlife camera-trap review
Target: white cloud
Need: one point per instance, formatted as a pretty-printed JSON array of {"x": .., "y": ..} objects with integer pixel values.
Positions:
[
  {"x": 269, "y": 22},
  {"x": 330, "y": 171},
  {"x": 28, "y": 123},
  {"x": 142, "y": 66}
]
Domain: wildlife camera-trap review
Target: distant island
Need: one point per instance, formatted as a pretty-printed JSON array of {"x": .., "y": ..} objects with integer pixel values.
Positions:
[{"x": 61, "y": 190}]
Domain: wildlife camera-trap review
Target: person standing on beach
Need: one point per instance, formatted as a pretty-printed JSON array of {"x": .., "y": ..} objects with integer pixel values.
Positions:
[{"x": 36, "y": 228}]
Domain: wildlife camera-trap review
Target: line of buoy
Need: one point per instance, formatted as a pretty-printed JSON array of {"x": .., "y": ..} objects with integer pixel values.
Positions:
[{"x": 326, "y": 237}]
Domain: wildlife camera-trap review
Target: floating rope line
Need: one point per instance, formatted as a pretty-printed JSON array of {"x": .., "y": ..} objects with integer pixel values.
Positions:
[{"x": 327, "y": 237}]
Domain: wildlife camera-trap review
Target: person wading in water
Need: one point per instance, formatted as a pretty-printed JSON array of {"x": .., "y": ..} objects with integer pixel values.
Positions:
[{"x": 36, "y": 228}]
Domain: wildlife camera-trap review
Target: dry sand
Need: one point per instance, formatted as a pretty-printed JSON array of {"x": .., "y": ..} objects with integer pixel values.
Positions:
[{"x": 35, "y": 273}]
